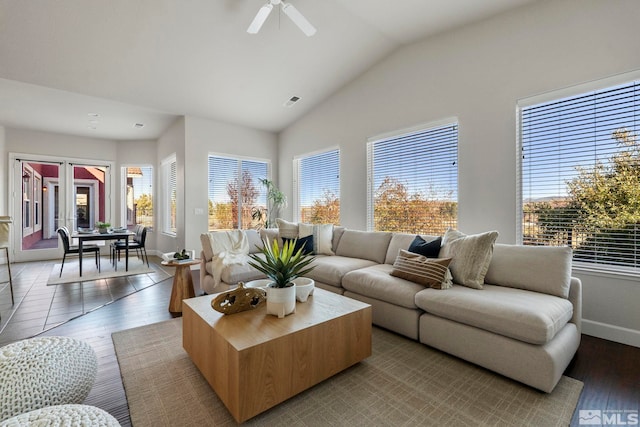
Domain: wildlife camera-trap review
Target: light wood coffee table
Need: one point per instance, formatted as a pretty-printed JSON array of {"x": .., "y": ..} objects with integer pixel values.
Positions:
[{"x": 254, "y": 361}]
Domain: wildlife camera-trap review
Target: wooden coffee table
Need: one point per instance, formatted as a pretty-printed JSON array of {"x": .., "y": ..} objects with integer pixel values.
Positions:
[{"x": 254, "y": 361}]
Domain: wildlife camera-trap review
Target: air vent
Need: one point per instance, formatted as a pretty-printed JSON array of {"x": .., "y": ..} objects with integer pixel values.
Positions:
[
  {"x": 138, "y": 125},
  {"x": 291, "y": 101}
]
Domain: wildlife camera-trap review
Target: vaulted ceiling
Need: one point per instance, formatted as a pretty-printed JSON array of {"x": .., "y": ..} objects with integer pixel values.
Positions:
[{"x": 149, "y": 61}]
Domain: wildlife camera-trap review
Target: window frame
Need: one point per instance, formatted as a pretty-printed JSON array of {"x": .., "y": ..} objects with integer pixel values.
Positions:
[
  {"x": 239, "y": 160},
  {"x": 165, "y": 166},
  {"x": 296, "y": 177},
  {"x": 557, "y": 95},
  {"x": 123, "y": 192},
  {"x": 400, "y": 133}
]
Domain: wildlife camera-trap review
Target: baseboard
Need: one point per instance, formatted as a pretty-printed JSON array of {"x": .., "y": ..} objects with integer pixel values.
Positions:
[{"x": 611, "y": 332}]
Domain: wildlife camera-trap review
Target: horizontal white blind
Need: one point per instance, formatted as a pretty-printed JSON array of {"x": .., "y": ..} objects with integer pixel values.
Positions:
[
  {"x": 413, "y": 181},
  {"x": 581, "y": 176},
  {"x": 235, "y": 191},
  {"x": 172, "y": 189},
  {"x": 139, "y": 195},
  {"x": 319, "y": 188}
]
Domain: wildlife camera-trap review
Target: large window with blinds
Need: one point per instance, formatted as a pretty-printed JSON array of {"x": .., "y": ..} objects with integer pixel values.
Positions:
[
  {"x": 413, "y": 180},
  {"x": 169, "y": 178},
  {"x": 236, "y": 192},
  {"x": 317, "y": 187},
  {"x": 580, "y": 174},
  {"x": 137, "y": 196}
]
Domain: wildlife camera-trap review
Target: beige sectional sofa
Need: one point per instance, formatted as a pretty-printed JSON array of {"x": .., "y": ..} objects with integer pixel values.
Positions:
[{"x": 524, "y": 323}]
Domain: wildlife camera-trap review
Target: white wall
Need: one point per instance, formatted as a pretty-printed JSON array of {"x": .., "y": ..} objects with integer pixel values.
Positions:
[
  {"x": 4, "y": 174},
  {"x": 171, "y": 142},
  {"x": 205, "y": 136},
  {"x": 478, "y": 73}
]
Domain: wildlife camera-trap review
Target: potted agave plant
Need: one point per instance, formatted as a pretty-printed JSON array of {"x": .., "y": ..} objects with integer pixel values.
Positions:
[{"x": 282, "y": 266}]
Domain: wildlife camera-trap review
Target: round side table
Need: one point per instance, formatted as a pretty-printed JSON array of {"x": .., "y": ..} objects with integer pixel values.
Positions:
[{"x": 182, "y": 283}]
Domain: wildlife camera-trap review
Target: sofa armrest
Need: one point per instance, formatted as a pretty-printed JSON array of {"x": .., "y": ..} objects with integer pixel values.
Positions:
[{"x": 575, "y": 297}]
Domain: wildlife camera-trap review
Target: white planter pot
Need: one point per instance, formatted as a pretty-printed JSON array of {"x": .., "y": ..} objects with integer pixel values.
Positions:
[
  {"x": 304, "y": 288},
  {"x": 281, "y": 301}
]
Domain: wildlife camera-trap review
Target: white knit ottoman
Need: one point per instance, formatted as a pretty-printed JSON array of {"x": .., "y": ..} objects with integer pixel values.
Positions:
[
  {"x": 44, "y": 371},
  {"x": 63, "y": 415}
]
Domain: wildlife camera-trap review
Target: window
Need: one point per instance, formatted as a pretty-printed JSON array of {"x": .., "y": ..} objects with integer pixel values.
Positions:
[
  {"x": 236, "y": 192},
  {"x": 317, "y": 187},
  {"x": 580, "y": 175},
  {"x": 137, "y": 196},
  {"x": 169, "y": 225},
  {"x": 413, "y": 180}
]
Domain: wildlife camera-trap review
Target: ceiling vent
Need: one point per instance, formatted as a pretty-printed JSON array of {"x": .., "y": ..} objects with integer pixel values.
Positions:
[
  {"x": 138, "y": 125},
  {"x": 291, "y": 101}
]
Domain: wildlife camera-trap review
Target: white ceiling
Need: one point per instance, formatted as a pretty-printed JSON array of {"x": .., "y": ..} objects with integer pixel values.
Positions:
[{"x": 149, "y": 61}]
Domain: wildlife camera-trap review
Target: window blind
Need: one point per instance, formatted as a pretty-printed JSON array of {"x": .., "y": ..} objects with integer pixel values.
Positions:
[
  {"x": 172, "y": 188},
  {"x": 235, "y": 192},
  {"x": 580, "y": 180},
  {"x": 138, "y": 196},
  {"x": 413, "y": 181},
  {"x": 318, "y": 188}
]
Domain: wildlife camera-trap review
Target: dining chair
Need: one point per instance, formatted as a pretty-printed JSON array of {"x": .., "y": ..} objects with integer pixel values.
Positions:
[
  {"x": 138, "y": 244},
  {"x": 5, "y": 221},
  {"x": 75, "y": 250}
]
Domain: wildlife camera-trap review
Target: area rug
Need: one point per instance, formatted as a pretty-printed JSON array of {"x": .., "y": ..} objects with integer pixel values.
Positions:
[
  {"x": 402, "y": 383},
  {"x": 70, "y": 273}
]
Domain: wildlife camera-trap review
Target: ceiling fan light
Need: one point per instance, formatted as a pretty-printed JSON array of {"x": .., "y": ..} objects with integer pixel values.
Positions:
[
  {"x": 298, "y": 19},
  {"x": 261, "y": 16}
]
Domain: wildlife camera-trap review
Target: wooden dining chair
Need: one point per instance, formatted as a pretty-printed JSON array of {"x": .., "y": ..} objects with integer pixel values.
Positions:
[{"x": 75, "y": 250}]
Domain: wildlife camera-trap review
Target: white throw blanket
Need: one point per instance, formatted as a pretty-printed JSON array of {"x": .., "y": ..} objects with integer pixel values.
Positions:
[{"x": 229, "y": 247}]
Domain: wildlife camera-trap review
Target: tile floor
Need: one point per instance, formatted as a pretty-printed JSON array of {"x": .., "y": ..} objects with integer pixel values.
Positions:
[{"x": 39, "y": 307}]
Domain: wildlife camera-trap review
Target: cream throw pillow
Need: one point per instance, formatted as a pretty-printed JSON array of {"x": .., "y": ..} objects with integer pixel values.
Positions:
[
  {"x": 322, "y": 237},
  {"x": 471, "y": 256},
  {"x": 286, "y": 229},
  {"x": 432, "y": 272}
]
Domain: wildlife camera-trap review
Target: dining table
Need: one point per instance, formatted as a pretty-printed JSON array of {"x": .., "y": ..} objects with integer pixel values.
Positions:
[{"x": 84, "y": 236}]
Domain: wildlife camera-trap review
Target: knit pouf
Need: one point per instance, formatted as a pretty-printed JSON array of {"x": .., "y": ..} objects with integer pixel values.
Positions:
[
  {"x": 63, "y": 416},
  {"x": 44, "y": 371}
]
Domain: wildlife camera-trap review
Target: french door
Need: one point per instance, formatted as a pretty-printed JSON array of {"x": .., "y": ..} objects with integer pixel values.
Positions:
[{"x": 50, "y": 192}]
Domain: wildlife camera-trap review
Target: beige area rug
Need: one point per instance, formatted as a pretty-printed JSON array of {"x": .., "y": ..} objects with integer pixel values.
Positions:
[
  {"x": 402, "y": 383},
  {"x": 70, "y": 273}
]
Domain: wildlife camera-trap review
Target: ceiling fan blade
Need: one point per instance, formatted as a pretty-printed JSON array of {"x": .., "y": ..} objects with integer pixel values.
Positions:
[
  {"x": 298, "y": 19},
  {"x": 261, "y": 16}
]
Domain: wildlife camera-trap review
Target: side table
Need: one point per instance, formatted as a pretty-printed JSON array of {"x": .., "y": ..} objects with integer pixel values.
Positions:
[{"x": 182, "y": 283}]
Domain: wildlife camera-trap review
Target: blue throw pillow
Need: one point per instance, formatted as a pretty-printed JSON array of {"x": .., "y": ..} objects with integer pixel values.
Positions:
[
  {"x": 429, "y": 249},
  {"x": 306, "y": 243}
]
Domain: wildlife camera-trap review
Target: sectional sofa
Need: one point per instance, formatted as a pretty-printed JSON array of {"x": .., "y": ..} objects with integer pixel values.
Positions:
[{"x": 523, "y": 321}]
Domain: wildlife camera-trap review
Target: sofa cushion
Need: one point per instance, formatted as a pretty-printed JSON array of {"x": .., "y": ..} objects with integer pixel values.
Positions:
[
  {"x": 544, "y": 269},
  {"x": 234, "y": 273},
  {"x": 471, "y": 256},
  {"x": 255, "y": 242},
  {"x": 371, "y": 245},
  {"x": 377, "y": 282},
  {"x": 337, "y": 235},
  {"x": 527, "y": 316},
  {"x": 330, "y": 269},
  {"x": 269, "y": 235},
  {"x": 430, "y": 272},
  {"x": 205, "y": 241}
]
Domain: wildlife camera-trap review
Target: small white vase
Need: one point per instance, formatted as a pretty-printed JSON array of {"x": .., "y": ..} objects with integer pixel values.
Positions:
[
  {"x": 304, "y": 288},
  {"x": 281, "y": 301}
]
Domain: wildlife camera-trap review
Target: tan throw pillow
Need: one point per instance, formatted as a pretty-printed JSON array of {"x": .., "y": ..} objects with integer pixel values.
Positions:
[
  {"x": 432, "y": 272},
  {"x": 286, "y": 229},
  {"x": 470, "y": 255}
]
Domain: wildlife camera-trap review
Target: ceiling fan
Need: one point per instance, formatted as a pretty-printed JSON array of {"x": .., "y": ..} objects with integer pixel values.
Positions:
[{"x": 289, "y": 10}]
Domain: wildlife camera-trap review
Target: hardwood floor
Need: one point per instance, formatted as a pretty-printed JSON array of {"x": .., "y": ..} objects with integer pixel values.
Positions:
[{"x": 610, "y": 371}]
